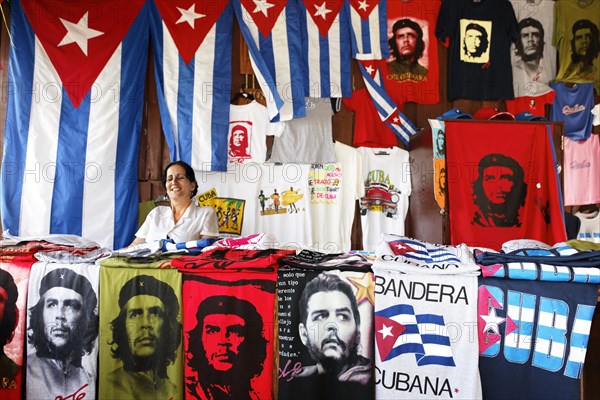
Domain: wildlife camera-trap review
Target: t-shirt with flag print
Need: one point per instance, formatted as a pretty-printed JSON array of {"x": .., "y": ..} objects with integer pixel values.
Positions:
[
  {"x": 533, "y": 337},
  {"x": 330, "y": 330},
  {"x": 425, "y": 335}
]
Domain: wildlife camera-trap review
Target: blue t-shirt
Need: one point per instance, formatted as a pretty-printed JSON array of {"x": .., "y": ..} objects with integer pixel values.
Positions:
[{"x": 573, "y": 106}]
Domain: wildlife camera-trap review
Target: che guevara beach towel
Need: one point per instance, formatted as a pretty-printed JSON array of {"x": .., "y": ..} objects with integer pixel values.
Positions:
[
  {"x": 140, "y": 334},
  {"x": 228, "y": 323}
]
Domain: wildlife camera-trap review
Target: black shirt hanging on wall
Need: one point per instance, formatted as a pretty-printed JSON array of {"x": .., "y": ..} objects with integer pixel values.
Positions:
[{"x": 480, "y": 33}]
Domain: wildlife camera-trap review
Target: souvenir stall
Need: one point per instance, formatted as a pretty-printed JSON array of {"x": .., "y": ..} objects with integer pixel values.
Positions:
[{"x": 290, "y": 199}]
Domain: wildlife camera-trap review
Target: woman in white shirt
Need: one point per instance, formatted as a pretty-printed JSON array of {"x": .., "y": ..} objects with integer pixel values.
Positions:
[{"x": 183, "y": 220}]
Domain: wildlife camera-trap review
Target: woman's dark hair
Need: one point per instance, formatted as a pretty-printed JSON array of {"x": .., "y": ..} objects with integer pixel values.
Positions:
[{"x": 189, "y": 174}]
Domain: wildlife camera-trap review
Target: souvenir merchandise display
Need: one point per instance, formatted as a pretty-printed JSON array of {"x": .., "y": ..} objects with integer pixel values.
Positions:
[
  {"x": 62, "y": 330},
  {"x": 480, "y": 35},
  {"x": 582, "y": 171},
  {"x": 533, "y": 54},
  {"x": 334, "y": 189},
  {"x": 307, "y": 140},
  {"x": 412, "y": 69},
  {"x": 387, "y": 187},
  {"x": 577, "y": 38},
  {"x": 573, "y": 106},
  {"x": 316, "y": 360},
  {"x": 140, "y": 334},
  {"x": 369, "y": 130},
  {"x": 498, "y": 197},
  {"x": 249, "y": 127}
]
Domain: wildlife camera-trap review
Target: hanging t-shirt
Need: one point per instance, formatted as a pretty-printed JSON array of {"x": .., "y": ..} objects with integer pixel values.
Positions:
[
  {"x": 334, "y": 189},
  {"x": 315, "y": 295},
  {"x": 533, "y": 55},
  {"x": 62, "y": 335},
  {"x": 424, "y": 335},
  {"x": 582, "y": 171},
  {"x": 576, "y": 26},
  {"x": 533, "y": 337},
  {"x": 142, "y": 306},
  {"x": 412, "y": 71},
  {"x": 494, "y": 193},
  {"x": 480, "y": 35},
  {"x": 535, "y": 105},
  {"x": 369, "y": 130},
  {"x": 573, "y": 106},
  {"x": 286, "y": 213},
  {"x": 249, "y": 127},
  {"x": 14, "y": 280},
  {"x": 386, "y": 173},
  {"x": 590, "y": 226},
  {"x": 234, "y": 195},
  {"x": 229, "y": 298},
  {"x": 307, "y": 140}
]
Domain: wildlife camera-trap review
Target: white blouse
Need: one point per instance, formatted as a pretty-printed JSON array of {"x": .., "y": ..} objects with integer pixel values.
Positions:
[{"x": 195, "y": 222}]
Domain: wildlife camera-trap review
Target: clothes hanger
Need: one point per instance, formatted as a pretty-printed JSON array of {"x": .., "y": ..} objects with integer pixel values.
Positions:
[{"x": 243, "y": 96}]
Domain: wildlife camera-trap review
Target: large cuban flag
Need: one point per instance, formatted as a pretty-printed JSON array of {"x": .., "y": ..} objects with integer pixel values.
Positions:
[
  {"x": 192, "y": 57},
  {"x": 326, "y": 48},
  {"x": 369, "y": 29},
  {"x": 76, "y": 79},
  {"x": 271, "y": 29}
]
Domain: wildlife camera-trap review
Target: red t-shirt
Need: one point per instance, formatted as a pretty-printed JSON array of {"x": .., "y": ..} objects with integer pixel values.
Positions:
[
  {"x": 535, "y": 105},
  {"x": 369, "y": 130}
]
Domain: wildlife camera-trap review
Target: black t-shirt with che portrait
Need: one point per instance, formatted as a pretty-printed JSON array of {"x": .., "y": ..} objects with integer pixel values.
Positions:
[
  {"x": 478, "y": 69},
  {"x": 299, "y": 376}
]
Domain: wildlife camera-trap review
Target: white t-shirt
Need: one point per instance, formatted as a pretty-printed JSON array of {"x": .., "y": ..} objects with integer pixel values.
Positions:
[
  {"x": 590, "y": 226},
  {"x": 386, "y": 173},
  {"x": 249, "y": 127},
  {"x": 195, "y": 222},
  {"x": 334, "y": 189}
]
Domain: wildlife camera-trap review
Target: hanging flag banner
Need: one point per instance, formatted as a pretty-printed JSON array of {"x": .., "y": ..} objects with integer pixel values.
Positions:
[
  {"x": 73, "y": 119},
  {"x": 272, "y": 32},
  {"x": 369, "y": 29},
  {"x": 192, "y": 61}
]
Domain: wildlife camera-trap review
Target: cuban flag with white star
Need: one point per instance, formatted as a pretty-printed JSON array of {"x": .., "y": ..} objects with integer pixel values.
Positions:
[
  {"x": 369, "y": 29},
  {"x": 425, "y": 335},
  {"x": 271, "y": 29},
  {"x": 192, "y": 64},
  {"x": 73, "y": 120},
  {"x": 326, "y": 48},
  {"x": 385, "y": 106}
]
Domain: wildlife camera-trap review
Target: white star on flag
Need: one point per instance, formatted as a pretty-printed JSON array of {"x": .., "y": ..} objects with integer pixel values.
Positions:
[
  {"x": 396, "y": 120},
  {"x": 79, "y": 33},
  {"x": 190, "y": 15},
  {"x": 492, "y": 321},
  {"x": 322, "y": 11},
  {"x": 386, "y": 331},
  {"x": 363, "y": 5},
  {"x": 262, "y": 6},
  {"x": 370, "y": 69}
]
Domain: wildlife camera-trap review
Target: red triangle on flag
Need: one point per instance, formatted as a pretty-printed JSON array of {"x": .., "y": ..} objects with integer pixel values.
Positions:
[
  {"x": 189, "y": 21},
  {"x": 264, "y": 13},
  {"x": 399, "y": 247},
  {"x": 364, "y": 7},
  {"x": 323, "y": 13},
  {"x": 394, "y": 118},
  {"x": 386, "y": 332},
  {"x": 80, "y": 37}
]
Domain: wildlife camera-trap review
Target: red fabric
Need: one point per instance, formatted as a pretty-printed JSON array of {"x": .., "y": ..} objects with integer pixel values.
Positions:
[
  {"x": 369, "y": 130},
  {"x": 238, "y": 275},
  {"x": 26, "y": 251},
  {"x": 426, "y": 91},
  {"x": 11, "y": 386},
  {"x": 535, "y": 105},
  {"x": 489, "y": 224}
]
